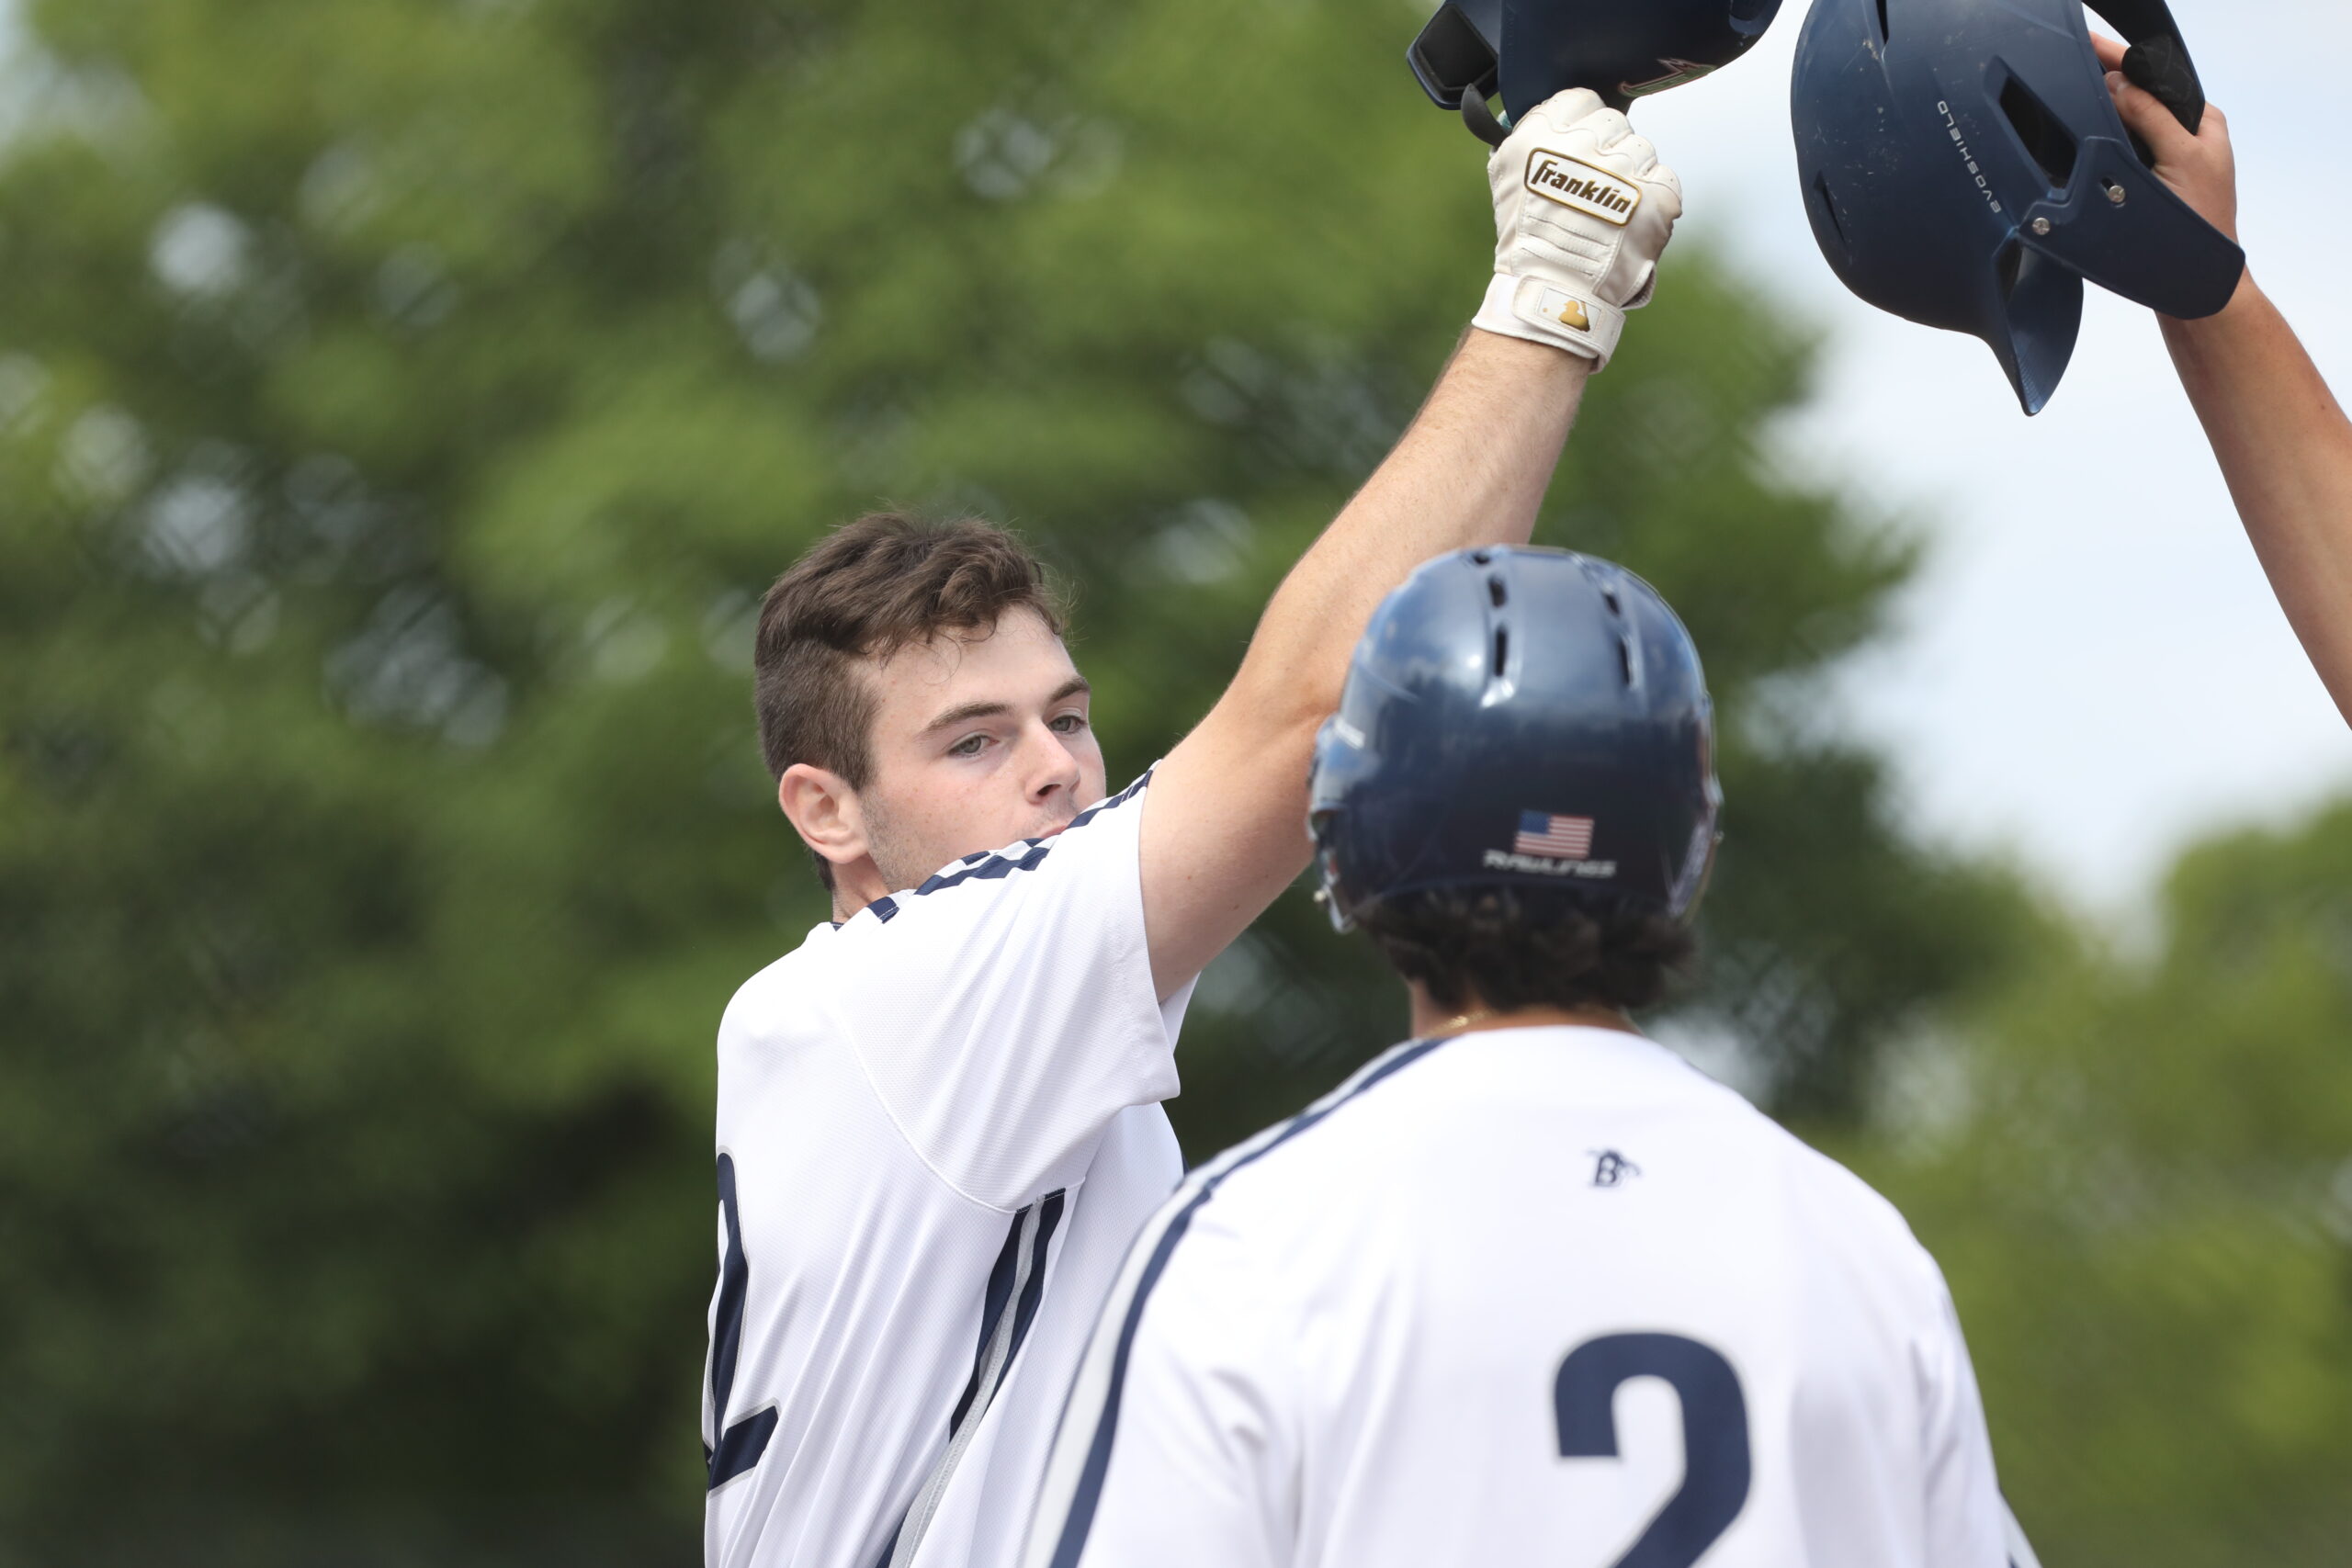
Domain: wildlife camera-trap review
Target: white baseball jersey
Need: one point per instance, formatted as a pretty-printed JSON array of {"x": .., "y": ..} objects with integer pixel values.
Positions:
[
  {"x": 1531, "y": 1296},
  {"x": 938, "y": 1131}
]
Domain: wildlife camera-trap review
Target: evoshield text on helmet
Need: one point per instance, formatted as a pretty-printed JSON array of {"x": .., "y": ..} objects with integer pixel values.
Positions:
[
  {"x": 1521, "y": 717},
  {"x": 1965, "y": 168},
  {"x": 1529, "y": 49}
]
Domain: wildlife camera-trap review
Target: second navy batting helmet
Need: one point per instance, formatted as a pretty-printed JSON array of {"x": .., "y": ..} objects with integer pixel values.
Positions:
[
  {"x": 1623, "y": 49},
  {"x": 1519, "y": 718},
  {"x": 1965, "y": 168}
]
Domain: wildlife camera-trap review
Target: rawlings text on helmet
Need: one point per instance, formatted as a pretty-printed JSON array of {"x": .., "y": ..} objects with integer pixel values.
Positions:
[
  {"x": 1539, "y": 866},
  {"x": 1572, "y": 182}
]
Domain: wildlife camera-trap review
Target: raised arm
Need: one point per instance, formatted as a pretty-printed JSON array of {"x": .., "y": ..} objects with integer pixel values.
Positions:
[
  {"x": 2284, "y": 442},
  {"x": 1225, "y": 827}
]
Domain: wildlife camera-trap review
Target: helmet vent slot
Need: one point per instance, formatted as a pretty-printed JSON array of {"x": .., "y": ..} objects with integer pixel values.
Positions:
[
  {"x": 1609, "y": 597},
  {"x": 1502, "y": 649},
  {"x": 1625, "y": 659},
  {"x": 1496, "y": 591},
  {"x": 2044, "y": 137},
  {"x": 1882, "y": 34}
]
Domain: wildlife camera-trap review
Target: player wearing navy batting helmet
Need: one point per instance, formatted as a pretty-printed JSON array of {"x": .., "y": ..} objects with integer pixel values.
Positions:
[{"x": 1528, "y": 1288}]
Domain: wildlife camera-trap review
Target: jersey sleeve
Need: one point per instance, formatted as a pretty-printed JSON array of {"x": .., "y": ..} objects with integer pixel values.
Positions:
[
  {"x": 1179, "y": 1444},
  {"x": 1968, "y": 1525},
  {"x": 1005, "y": 1012}
]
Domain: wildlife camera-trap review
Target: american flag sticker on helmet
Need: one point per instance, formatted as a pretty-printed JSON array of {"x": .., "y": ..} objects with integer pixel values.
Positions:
[{"x": 1548, "y": 836}]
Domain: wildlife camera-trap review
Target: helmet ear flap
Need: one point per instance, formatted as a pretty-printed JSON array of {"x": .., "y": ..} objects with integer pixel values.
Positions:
[
  {"x": 2037, "y": 316},
  {"x": 2125, "y": 230}
]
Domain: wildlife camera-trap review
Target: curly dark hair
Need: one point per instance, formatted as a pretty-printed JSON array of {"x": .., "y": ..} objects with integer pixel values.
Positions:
[{"x": 1507, "y": 948}]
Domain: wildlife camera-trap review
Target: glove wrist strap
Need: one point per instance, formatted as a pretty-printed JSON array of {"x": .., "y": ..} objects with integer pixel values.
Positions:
[{"x": 1545, "y": 313}]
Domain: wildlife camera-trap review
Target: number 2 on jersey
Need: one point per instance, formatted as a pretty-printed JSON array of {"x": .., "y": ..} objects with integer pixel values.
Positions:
[{"x": 1715, "y": 1434}]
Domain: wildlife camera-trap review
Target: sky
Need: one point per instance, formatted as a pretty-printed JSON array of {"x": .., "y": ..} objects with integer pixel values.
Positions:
[{"x": 2091, "y": 672}]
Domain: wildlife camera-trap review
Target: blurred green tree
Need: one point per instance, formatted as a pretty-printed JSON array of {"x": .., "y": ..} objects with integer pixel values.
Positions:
[
  {"x": 402, "y": 403},
  {"x": 2138, "y": 1175}
]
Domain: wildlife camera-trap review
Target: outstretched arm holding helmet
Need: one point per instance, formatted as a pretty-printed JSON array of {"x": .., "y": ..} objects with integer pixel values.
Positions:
[
  {"x": 1583, "y": 209},
  {"x": 2284, "y": 442}
]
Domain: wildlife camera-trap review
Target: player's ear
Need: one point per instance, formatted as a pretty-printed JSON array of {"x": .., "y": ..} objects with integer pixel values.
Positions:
[{"x": 824, "y": 810}]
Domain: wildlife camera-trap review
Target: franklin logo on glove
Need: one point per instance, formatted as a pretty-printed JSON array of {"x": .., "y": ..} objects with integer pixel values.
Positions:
[
  {"x": 1582, "y": 208},
  {"x": 1571, "y": 182}
]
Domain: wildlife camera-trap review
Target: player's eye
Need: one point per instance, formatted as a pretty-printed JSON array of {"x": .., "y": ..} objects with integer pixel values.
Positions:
[
  {"x": 1070, "y": 723},
  {"x": 969, "y": 746}
]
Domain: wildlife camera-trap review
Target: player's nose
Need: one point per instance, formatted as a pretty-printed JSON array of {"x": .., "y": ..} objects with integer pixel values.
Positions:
[{"x": 1057, "y": 766}]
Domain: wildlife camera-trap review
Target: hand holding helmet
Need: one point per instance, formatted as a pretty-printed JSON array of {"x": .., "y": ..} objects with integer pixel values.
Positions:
[
  {"x": 2198, "y": 165},
  {"x": 1583, "y": 209}
]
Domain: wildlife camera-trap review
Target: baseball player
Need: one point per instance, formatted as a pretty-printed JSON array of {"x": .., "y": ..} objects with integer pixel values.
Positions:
[
  {"x": 1528, "y": 1288},
  {"x": 938, "y": 1122},
  {"x": 2283, "y": 441}
]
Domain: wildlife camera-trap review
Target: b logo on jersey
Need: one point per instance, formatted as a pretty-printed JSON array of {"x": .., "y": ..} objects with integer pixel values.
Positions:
[
  {"x": 1611, "y": 1169},
  {"x": 1588, "y": 188}
]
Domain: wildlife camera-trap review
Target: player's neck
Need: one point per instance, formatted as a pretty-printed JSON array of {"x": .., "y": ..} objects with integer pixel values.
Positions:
[
  {"x": 856, "y": 885},
  {"x": 1429, "y": 1019}
]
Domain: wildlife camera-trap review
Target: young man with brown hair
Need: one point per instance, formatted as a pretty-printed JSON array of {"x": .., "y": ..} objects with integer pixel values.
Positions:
[{"x": 939, "y": 1124}]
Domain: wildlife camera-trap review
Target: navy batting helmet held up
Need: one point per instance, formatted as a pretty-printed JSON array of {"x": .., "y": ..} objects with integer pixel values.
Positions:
[
  {"x": 1519, "y": 718},
  {"x": 1623, "y": 49},
  {"x": 1965, "y": 168}
]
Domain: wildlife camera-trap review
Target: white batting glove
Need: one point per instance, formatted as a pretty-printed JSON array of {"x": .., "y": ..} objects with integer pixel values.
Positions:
[{"x": 1582, "y": 210}]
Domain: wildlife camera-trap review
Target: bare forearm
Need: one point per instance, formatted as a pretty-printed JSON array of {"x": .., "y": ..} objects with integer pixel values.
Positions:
[
  {"x": 1472, "y": 470},
  {"x": 2285, "y": 446},
  {"x": 1225, "y": 826}
]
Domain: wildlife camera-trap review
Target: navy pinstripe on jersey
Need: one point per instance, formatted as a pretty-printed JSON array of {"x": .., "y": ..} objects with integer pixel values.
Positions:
[
  {"x": 915, "y": 1103},
  {"x": 1017, "y": 1281},
  {"x": 1353, "y": 1354},
  {"x": 987, "y": 867},
  {"x": 1162, "y": 1237}
]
